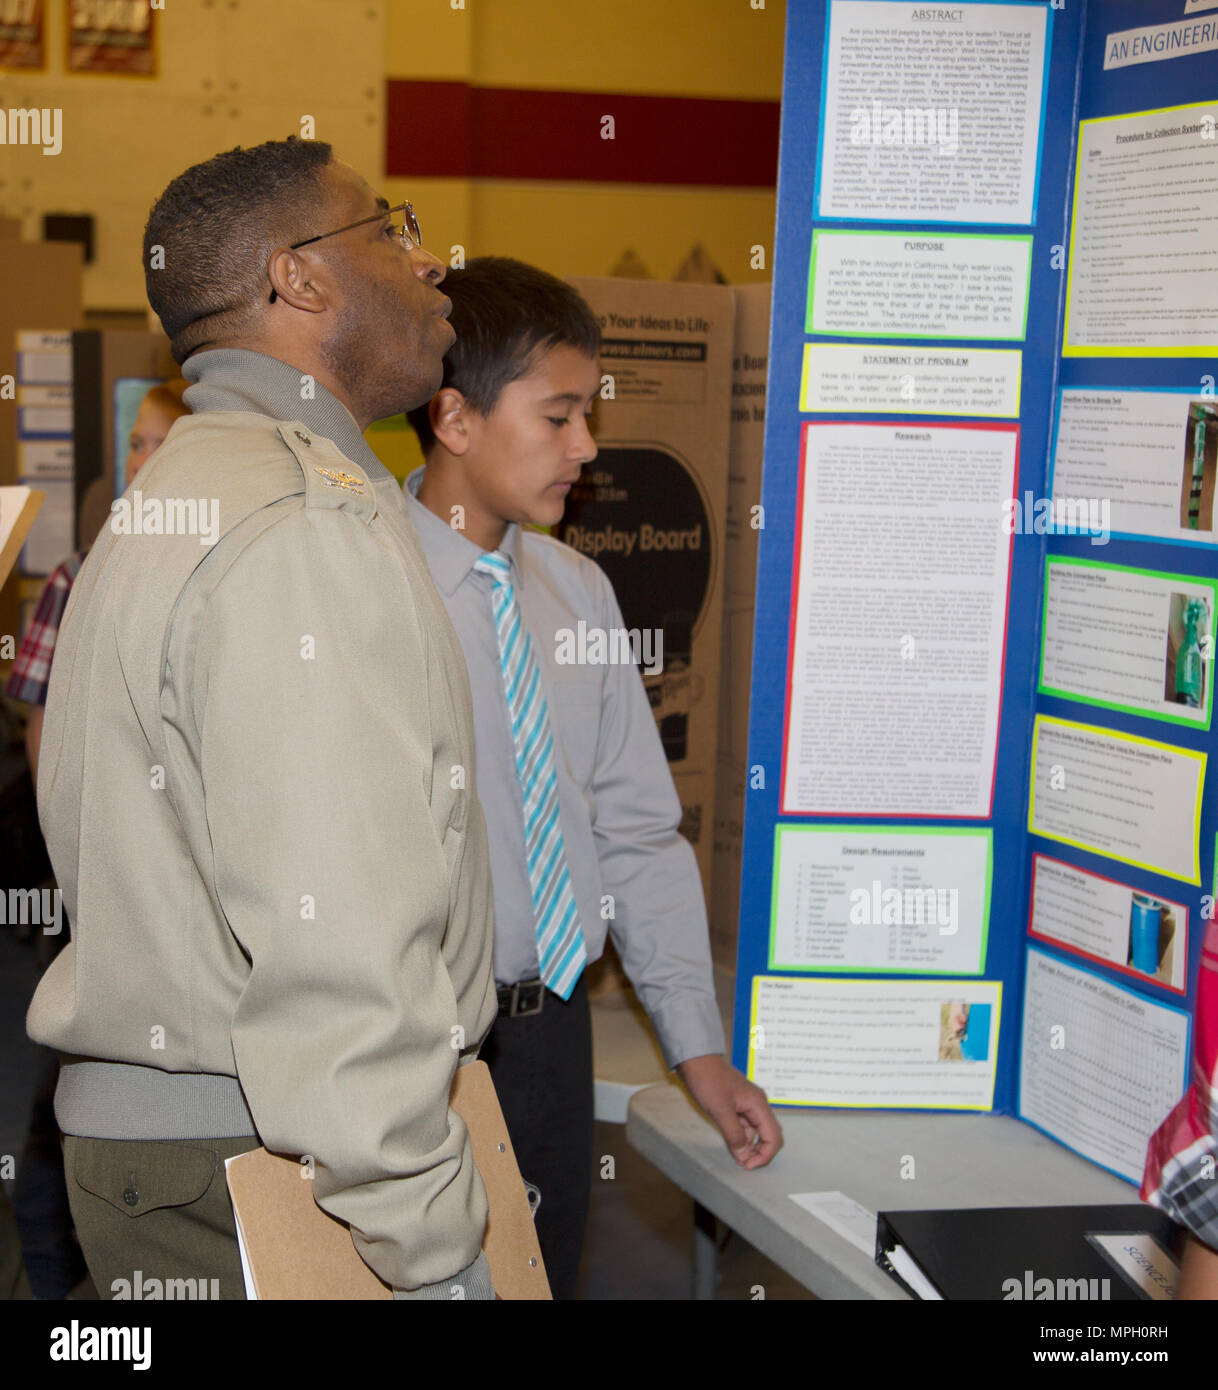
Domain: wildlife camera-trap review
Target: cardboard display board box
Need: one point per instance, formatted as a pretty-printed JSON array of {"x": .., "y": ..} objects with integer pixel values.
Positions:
[
  {"x": 749, "y": 361},
  {"x": 651, "y": 509}
]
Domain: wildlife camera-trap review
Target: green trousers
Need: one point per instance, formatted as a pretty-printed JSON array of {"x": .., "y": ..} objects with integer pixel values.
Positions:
[
  {"x": 154, "y": 1217},
  {"x": 13, "y": 1283}
]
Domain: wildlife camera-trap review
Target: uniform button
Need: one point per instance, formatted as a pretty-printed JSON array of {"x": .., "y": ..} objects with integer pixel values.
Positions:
[{"x": 130, "y": 1196}]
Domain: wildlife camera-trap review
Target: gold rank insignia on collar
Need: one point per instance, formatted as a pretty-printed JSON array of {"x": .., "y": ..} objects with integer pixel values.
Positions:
[{"x": 347, "y": 481}]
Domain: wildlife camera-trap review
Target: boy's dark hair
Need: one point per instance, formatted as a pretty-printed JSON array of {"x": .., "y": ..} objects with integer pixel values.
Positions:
[
  {"x": 213, "y": 229},
  {"x": 506, "y": 315}
]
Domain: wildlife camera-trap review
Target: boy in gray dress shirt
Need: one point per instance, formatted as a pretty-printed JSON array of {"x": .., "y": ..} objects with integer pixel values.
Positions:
[{"x": 580, "y": 806}]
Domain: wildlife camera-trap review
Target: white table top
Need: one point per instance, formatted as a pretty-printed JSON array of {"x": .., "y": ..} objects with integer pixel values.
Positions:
[{"x": 959, "y": 1161}]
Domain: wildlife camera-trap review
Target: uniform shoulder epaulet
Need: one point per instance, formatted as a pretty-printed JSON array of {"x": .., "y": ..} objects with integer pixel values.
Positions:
[{"x": 331, "y": 479}]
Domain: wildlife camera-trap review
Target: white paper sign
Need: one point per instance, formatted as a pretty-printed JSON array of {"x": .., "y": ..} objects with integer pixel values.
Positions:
[{"x": 841, "y": 1214}]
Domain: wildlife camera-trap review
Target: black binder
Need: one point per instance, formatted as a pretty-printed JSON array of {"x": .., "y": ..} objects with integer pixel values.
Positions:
[{"x": 975, "y": 1253}]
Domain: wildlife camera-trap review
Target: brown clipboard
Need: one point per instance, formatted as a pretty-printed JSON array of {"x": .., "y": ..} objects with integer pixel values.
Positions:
[
  {"x": 297, "y": 1251},
  {"x": 12, "y": 541}
]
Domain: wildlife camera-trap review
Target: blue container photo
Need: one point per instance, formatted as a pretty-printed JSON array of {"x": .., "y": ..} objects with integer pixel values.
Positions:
[
  {"x": 1145, "y": 921},
  {"x": 975, "y": 1045}
]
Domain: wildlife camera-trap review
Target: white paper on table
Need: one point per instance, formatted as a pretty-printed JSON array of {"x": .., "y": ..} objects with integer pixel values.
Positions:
[
  {"x": 841, "y": 1214},
  {"x": 246, "y": 1273}
]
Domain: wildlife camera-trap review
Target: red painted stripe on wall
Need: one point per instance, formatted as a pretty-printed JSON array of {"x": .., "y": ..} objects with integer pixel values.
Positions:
[{"x": 454, "y": 130}]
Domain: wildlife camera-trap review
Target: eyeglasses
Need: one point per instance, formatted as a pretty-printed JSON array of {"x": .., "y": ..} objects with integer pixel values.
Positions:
[{"x": 406, "y": 226}]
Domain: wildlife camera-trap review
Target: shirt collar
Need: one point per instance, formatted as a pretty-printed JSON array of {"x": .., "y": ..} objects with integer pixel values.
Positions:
[
  {"x": 238, "y": 379},
  {"x": 450, "y": 554}
]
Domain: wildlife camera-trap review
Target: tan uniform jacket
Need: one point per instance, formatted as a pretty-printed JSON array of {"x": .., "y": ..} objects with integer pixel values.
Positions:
[{"x": 256, "y": 784}]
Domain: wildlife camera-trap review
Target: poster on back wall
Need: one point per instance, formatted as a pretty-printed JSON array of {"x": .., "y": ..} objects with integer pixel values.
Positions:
[
  {"x": 22, "y": 35},
  {"x": 651, "y": 510},
  {"x": 113, "y": 36}
]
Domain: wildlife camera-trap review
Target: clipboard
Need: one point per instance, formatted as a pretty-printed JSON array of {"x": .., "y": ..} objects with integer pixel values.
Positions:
[
  {"x": 18, "y": 508},
  {"x": 292, "y": 1249}
]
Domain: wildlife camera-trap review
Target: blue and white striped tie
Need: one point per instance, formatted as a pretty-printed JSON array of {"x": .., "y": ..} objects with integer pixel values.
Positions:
[{"x": 560, "y": 942}]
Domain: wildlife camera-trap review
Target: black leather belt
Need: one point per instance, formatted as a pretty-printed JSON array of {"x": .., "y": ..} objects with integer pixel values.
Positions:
[{"x": 521, "y": 999}]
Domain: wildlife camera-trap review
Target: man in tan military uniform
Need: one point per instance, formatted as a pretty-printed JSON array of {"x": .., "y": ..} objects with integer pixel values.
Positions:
[{"x": 256, "y": 778}]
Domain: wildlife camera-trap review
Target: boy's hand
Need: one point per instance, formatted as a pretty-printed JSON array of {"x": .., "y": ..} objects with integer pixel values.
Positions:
[
  {"x": 739, "y": 1108},
  {"x": 1198, "y": 1270}
]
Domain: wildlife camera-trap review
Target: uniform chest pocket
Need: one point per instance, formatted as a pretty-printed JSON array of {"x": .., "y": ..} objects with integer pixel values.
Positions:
[{"x": 574, "y": 699}]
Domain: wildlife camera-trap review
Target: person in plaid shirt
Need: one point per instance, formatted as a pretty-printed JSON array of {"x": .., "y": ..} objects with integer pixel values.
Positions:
[
  {"x": 32, "y": 667},
  {"x": 31, "y": 674},
  {"x": 1181, "y": 1176}
]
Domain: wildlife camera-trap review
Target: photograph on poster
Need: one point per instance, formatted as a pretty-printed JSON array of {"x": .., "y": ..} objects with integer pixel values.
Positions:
[
  {"x": 1152, "y": 454},
  {"x": 1197, "y": 473},
  {"x": 1126, "y": 639},
  {"x": 964, "y": 1031},
  {"x": 1109, "y": 922},
  {"x": 1100, "y": 1065},
  {"x": 1189, "y": 651}
]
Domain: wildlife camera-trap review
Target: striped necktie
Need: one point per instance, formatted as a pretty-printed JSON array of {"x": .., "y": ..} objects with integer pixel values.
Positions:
[{"x": 560, "y": 942}]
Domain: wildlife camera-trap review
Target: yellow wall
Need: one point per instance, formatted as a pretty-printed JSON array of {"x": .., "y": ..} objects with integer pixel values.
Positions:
[
  {"x": 243, "y": 71},
  {"x": 697, "y": 48},
  {"x": 708, "y": 48},
  {"x": 233, "y": 72},
  {"x": 700, "y": 48}
]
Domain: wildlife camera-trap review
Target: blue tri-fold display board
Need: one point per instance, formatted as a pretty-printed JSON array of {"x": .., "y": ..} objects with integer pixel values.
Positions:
[{"x": 979, "y": 834}]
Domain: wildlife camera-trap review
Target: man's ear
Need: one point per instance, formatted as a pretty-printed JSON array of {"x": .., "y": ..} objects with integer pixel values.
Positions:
[
  {"x": 289, "y": 277},
  {"x": 449, "y": 416}
]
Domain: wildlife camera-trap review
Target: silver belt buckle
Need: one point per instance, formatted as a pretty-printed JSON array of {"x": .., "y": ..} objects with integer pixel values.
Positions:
[{"x": 528, "y": 996}]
